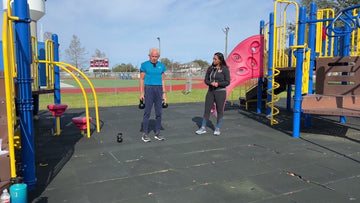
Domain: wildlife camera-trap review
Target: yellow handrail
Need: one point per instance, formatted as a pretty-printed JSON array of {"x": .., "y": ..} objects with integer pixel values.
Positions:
[
  {"x": 274, "y": 98},
  {"x": 85, "y": 98},
  {"x": 49, "y": 56},
  {"x": 50, "y": 77},
  {"x": 9, "y": 67},
  {"x": 355, "y": 38},
  {"x": 305, "y": 67},
  {"x": 62, "y": 65},
  {"x": 93, "y": 90},
  {"x": 280, "y": 58},
  {"x": 324, "y": 14},
  {"x": 9, "y": 12},
  {"x": 34, "y": 67}
]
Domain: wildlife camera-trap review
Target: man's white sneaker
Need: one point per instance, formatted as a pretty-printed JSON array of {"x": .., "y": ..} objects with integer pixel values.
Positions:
[
  {"x": 145, "y": 138},
  {"x": 159, "y": 137}
]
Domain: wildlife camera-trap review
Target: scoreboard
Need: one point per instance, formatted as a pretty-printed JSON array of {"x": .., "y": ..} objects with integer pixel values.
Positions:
[{"x": 99, "y": 63}]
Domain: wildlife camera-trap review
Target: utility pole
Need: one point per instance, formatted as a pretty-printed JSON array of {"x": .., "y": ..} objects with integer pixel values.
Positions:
[
  {"x": 226, "y": 31},
  {"x": 158, "y": 38}
]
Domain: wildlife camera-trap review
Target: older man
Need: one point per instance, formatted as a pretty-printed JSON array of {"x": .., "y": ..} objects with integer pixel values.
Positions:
[{"x": 152, "y": 90}]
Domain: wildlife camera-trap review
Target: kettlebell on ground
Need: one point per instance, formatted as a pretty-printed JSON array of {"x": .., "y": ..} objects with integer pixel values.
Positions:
[{"x": 119, "y": 137}]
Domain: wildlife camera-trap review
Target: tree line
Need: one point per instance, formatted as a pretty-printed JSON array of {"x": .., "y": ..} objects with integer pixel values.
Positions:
[
  {"x": 76, "y": 54},
  {"x": 336, "y": 5}
]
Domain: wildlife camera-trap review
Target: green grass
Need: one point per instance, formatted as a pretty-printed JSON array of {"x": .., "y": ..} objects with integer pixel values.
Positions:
[
  {"x": 129, "y": 98},
  {"x": 126, "y": 98},
  {"x": 119, "y": 99},
  {"x": 110, "y": 83}
]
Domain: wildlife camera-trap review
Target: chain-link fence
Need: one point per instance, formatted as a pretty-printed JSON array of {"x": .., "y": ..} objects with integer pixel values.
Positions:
[
  {"x": 136, "y": 75},
  {"x": 118, "y": 80}
]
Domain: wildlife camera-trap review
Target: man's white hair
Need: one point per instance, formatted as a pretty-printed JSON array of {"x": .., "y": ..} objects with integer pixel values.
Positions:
[{"x": 154, "y": 49}]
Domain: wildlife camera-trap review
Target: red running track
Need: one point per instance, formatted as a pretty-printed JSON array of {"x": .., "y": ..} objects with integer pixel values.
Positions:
[{"x": 199, "y": 85}]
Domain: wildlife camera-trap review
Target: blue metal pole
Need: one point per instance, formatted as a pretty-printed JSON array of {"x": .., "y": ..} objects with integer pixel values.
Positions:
[
  {"x": 312, "y": 44},
  {"x": 25, "y": 101},
  {"x": 260, "y": 80},
  {"x": 289, "y": 87},
  {"x": 329, "y": 44},
  {"x": 336, "y": 46},
  {"x": 342, "y": 43},
  {"x": 57, "y": 97},
  {"x": 299, "y": 72},
  {"x": 270, "y": 58},
  {"x": 347, "y": 43},
  {"x": 346, "y": 52}
]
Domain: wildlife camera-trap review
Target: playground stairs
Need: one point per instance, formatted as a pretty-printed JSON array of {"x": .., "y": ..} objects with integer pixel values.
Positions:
[
  {"x": 337, "y": 88},
  {"x": 5, "y": 175},
  {"x": 251, "y": 96},
  {"x": 286, "y": 76}
]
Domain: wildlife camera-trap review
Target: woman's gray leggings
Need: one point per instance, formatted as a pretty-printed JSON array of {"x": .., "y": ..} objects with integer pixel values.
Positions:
[{"x": 219, "y": 97}]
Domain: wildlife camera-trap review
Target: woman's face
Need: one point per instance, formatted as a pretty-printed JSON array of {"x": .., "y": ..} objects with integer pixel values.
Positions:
[{"x": 216, "y": 60}]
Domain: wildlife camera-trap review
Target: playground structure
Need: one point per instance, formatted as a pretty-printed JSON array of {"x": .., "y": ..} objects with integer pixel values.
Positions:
[
  {"x": 262, "y": 58},
  {"x": 30, "y": 68},
  {"x": 322, "y": 44}
]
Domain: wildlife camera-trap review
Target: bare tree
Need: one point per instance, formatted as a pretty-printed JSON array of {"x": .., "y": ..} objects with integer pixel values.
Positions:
[
  {"x": 47, "y": 35},
  {"x": 99, "y": 54},
  {"x": 75, "y": 54}
]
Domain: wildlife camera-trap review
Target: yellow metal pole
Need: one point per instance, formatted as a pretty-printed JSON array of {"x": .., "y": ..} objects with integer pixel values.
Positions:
[
  {"x": 60, "y": 64},
  {"x": 58, "y": 131},
  {"x": 93, "y": 91},
  {"x": 9, "y": 97},
  {"x": 85, "y": 98}
]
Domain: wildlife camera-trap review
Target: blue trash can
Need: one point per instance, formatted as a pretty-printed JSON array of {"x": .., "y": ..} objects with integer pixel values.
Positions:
[{"x": 18, "y": 193}]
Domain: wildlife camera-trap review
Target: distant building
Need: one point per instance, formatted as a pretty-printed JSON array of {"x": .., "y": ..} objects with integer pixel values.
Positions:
[
  {"x": 99, "y": 64},
  {"x": 192, "y": 67}
]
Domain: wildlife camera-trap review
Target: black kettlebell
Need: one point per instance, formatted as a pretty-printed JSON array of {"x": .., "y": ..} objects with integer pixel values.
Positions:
[
  {"x": 119, "y": 137},
  {"x": 141, "y": 105},
  {"x": 164, "y": 104}
]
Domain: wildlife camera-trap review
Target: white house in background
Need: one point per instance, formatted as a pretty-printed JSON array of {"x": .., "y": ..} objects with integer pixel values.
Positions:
[
  {"x": 99, "y": 64},
  {"x": 192, "y": 67}
]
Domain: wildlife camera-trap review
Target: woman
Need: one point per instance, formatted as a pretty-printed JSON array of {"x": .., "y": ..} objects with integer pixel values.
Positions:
[{"x": 217, "y": 78}]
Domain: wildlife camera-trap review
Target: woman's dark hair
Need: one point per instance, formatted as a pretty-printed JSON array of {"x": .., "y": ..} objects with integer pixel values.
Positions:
[
  {"x": 221, "y": 58},
  {"x": 222, "y": 61}
]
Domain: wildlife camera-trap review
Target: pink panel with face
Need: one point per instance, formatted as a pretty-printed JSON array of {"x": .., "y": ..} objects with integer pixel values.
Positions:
[{"x": 246, "y": 61}]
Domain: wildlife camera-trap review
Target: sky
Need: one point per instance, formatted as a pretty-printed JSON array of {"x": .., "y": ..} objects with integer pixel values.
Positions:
[{"x": 125, "y": 30}]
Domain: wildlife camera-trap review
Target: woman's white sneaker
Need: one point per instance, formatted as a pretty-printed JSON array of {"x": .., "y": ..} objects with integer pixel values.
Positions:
[{"x": 200, "y": 131}]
